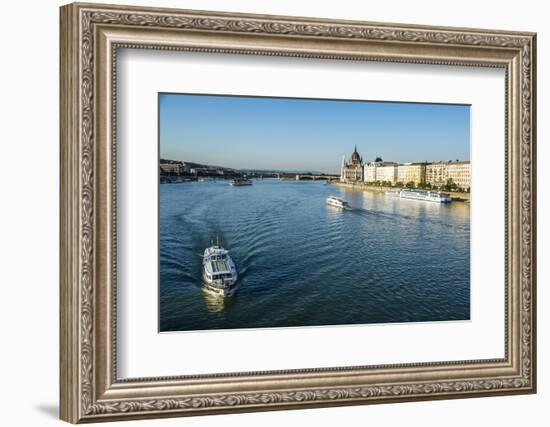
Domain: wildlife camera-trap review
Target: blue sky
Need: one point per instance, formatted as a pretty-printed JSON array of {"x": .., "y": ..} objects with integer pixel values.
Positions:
[{"x": 307, "y": 134}]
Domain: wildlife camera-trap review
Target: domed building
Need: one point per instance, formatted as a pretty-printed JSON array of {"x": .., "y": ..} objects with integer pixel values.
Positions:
[{"x": 352, "y": 170}]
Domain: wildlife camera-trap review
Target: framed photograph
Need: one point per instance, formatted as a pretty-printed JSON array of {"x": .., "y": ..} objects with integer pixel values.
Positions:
[{"x": 266, "y": 212}]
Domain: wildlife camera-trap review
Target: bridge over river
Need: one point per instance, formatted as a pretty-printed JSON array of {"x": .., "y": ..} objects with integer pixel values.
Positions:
[{"x": 304, "y": 176}]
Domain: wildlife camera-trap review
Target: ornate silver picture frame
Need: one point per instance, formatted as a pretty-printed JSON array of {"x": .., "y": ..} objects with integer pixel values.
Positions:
[{"x": 91, "y": 35}]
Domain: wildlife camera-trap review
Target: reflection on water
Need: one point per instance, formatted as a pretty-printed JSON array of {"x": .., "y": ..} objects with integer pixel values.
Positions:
[
  {"x": 217, "y": 303},
  {"x": 302, "y": 263}
]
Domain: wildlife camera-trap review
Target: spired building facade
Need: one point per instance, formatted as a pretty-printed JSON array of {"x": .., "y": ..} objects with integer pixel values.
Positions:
[
  {"x": 435, "y": 174},
  {"x": 352, "y": 170}
]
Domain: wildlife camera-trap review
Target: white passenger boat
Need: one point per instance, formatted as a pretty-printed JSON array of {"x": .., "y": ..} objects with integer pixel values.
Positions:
[
  {"x": 237, "y": 182},
  {"x": 428, "y": 196},
  {"x": 219, "y": 273},
  {"x": 337, "y": 202}
]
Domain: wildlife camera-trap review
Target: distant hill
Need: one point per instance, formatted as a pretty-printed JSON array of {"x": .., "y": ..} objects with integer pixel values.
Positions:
[
  {"x": 245, "y": 170},
  {"x": 170, "y": 162},
  {"x": 282, "y": 171}
]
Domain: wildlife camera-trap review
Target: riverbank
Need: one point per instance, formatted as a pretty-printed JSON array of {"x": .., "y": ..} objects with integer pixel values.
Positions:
[{"x": 455, "y": 195}]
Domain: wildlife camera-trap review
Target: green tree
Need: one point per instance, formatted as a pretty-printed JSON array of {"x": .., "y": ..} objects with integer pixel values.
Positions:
[
  {"x": 410, "y": 184},
  {"x": 450, "y": 185}
]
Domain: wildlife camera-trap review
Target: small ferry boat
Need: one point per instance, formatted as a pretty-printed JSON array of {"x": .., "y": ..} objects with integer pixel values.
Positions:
[
  {"x": 237, "y": 182},
  {"x": 428, "y": 196},
  {"x": 219, "y": 273},
  {"x": 337, "y": 202}
]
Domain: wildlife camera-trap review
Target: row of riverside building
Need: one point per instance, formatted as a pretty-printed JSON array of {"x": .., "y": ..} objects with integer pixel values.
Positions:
[{"x": 436, "y": 174}]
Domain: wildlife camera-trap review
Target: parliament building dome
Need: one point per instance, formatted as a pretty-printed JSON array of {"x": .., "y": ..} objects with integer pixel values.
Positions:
[{"x": 355, "y": 157}]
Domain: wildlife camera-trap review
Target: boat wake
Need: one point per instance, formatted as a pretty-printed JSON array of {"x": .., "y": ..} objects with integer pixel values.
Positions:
[
  {"x": 396, "y": 217},
  {"x": 372, "y": 213}
]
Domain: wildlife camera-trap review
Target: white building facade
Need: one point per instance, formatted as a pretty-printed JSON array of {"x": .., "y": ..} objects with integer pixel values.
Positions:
[
  {"x": 381, "y": 171},
  {"x": 443, "y": 173}
]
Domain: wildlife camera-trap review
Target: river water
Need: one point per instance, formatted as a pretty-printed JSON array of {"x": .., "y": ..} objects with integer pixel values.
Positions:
[{"x": 303, "y": 263}]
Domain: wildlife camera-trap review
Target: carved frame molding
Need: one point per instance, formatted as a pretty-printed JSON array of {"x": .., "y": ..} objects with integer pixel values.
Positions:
[{"x": 90, "y": 37}]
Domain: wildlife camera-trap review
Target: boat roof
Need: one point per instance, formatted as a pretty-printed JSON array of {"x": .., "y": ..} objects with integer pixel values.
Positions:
[
  {"x": 216, "y": 250},
  {"x": 428, "y": 193},
  {"x": 218, "y": 267}
]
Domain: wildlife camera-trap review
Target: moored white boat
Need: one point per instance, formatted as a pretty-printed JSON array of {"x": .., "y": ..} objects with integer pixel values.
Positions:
[
  {"x": 237, "y": 182},
  {"x": 427, "y": 196},
  {"x": 219, "y": 273},
  {"x": 337, "y": 202}
]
